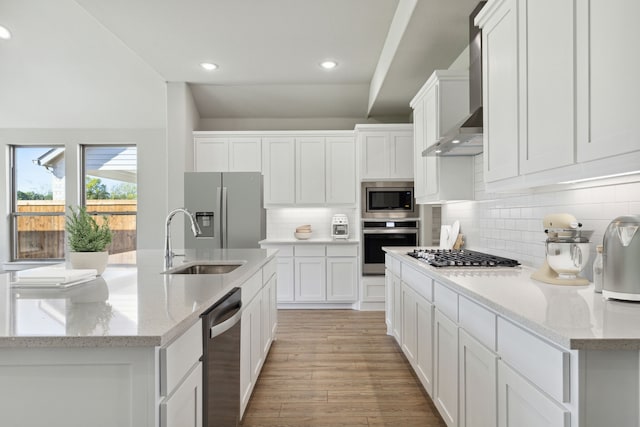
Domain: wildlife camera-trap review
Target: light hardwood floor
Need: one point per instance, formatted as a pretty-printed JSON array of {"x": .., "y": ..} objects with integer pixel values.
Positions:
[{"x": 337, "y": 368}]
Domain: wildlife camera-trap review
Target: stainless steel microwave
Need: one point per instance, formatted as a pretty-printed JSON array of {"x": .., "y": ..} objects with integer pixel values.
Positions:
[{"x": 388, "y": 199}]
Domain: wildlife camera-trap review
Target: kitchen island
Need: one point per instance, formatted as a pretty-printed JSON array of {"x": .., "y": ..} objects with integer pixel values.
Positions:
[
  {"x": 123, "y": 349},
  {"x": 494, "y": 346}
]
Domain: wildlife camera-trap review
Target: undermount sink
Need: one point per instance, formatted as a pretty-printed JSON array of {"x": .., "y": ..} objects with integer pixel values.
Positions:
[{"x": 203, "y": 268}]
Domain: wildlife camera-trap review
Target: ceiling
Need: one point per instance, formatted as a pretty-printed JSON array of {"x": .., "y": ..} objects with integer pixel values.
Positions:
[{"x": 268, "y": 51}]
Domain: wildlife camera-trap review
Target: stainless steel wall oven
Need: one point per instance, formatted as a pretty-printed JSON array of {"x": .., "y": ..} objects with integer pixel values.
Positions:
[{"x": 379, "y": 233}]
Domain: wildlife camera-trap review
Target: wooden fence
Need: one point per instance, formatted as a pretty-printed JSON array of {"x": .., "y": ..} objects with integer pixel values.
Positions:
[{"x": 42, "y": 237}]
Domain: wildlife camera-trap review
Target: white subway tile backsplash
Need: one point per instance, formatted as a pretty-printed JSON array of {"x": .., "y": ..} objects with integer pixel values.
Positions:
[
  {"x": 508, "y": 224},
  {"x": 281, "y": 223}
]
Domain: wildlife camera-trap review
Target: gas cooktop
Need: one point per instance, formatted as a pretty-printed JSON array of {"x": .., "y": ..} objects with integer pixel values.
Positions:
[{"x": 461, "y": 258}]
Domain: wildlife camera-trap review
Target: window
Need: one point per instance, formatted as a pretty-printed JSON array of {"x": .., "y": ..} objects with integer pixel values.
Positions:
[
  {"x": 110, "y": 189},
  {"x": 37, "y": 202}
]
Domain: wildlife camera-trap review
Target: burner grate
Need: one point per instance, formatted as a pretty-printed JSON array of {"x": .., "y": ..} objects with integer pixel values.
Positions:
[{"x": 461, "y": 258}]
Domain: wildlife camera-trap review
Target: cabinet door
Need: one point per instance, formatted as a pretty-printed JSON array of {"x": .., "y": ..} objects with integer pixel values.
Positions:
[
  {"x": 184, "y": 407},
  {"x": 547, "y": 92},
  {"x": 245, "y": 359},
  {"x": 267, "y": 312},
  {"x": 310, "y": 279},
  {"x": 500, "y": 93},
  {"x": 274, "y": 308},
  {"x": 424, "y": 343},
  {"x": 256, "y": 308},
  {"x": 245, "y": 155},
  {"x": 211, "y": 154},
  {"x": 342, "y": 279},
  {"x": 374, "y": 149},
  {"x": 279, "y": 170},
  {"x": 341, "y": 171},
  {"x": 478, "y": 383},
  {"x": 397, "y": 308},
  {"x": 522, "y": 404},
  {"x": 401, "y": 152},
  {"x": 419, "y": 145},
  {"x": 409, "y": 327},
  {"x": 388, "y": 301},
  {"x": 285, "y": 279},
  {"x": 432, "y": 134},
  {"x": 607, "y": 73},
  {"x": 445, "y": 386},
  {"x": 310, "y": 171}
]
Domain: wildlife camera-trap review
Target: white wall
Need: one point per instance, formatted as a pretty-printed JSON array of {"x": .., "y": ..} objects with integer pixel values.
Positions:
[{"x": 511, "y": 224}]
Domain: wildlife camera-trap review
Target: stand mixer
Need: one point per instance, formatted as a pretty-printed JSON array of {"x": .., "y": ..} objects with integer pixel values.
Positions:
[{"x": 566, "y": 250}]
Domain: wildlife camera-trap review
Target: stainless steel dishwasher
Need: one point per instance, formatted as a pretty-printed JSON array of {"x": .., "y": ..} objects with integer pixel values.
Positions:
[{"x": 221, "y": 361}]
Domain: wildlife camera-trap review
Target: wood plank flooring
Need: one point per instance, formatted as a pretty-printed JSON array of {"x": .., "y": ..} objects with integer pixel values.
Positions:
[{"x": 337, "y": 368}]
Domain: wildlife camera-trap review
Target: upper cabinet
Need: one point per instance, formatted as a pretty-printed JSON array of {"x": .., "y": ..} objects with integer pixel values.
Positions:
[
  {"x": 314, "y": 169},
  {"x": 386, "y": 151},
  {"x": 441, "y": 103},
  {"x": 214, "y": 152},
  {"x": 559, "y": 91}
]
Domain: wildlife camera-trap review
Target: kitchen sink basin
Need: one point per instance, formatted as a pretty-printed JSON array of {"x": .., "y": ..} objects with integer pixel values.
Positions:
[{"x": 203, "y": 268}]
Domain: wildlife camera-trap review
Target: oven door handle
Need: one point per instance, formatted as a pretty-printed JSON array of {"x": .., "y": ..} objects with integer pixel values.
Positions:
[{"x": 391, "y": 231}]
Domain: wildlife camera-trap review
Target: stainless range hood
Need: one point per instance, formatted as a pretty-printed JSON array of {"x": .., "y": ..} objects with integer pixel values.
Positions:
[{"x": 465, "y": 138}]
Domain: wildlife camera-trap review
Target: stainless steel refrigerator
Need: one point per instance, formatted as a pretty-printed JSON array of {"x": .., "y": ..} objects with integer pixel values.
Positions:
[{"x": 229, "y": 209}]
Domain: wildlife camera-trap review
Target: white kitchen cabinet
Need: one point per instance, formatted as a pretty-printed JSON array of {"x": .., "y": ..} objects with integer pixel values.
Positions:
[
  {"x": 500, "y": 88},
  {"x": 396, "y": 285},
  {"x": 269, "y": 313},
  {"x": 478, "y": 383},
  {"x": 310, "y": 171},
  {"x": 439, "y": 105},
  {"x": 342, "y": 279},
  {"x": 409, "y": 327},
  {"x": 386, "y": 151},
  {"x": 184, "y": 406},
  {"x": 226, "y": 153},
  {"x": 278, "y": 165},
  {"x": 251, "y": 348},
  {"x": 607, "y": 104},
  {"x": 310, "y": 274},
  {"x": 445, "y": 367},
  {"x": 340, "y": 178},
  {"x": 522, "y": 404},
  {"x": 310, "y": 279}
]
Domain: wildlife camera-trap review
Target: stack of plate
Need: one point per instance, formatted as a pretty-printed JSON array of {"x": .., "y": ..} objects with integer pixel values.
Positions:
[{"x": 303, "y": 232}]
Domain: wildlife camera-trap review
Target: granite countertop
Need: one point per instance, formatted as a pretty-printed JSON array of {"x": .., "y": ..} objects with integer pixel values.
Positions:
[
  {"x": 129, "y": 305},
  {"x": 574, "y": 317},
  {"x": 322, "y": 241}
]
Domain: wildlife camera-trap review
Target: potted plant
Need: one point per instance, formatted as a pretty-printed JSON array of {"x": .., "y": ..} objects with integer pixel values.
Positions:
[{"x": 87, "y": 240}]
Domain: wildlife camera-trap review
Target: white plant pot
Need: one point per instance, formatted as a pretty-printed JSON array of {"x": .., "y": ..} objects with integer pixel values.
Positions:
[{"x": 96, "y": 260}]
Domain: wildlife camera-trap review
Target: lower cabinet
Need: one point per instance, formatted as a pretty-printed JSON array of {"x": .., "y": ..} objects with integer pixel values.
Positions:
[
  {"x": 317, "y": 273},
  {"x": 258, "y": 327},
  {"x": 417, "y": 335},
  {"x": 522, "y": 404},
  {"x": 184, "y": 407},
  {"x": 478, "y": 386},
  {"x": 445, "y": 367}
]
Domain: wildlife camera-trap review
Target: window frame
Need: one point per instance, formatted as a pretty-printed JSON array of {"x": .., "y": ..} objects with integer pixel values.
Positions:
[{"x": 13, "y": 204}]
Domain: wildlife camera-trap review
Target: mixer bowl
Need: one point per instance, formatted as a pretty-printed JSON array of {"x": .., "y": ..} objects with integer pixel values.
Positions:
[{"x": 567, "y": 259}]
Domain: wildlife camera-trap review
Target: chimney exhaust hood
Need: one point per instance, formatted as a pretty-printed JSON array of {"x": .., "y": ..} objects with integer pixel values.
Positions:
[{"x": 465, "y": 139}]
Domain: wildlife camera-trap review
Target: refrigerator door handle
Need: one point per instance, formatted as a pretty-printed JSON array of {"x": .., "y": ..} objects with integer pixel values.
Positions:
[
  {"x": 218, "y": 221},
  {"x": 223, "y": 229}
]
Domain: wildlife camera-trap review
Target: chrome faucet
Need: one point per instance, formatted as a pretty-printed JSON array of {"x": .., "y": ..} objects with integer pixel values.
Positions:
[{"x": 168, "y": 252}]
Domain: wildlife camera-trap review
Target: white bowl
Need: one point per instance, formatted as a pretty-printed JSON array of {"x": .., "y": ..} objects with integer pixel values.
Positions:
[{"x": 302, "y": 236}]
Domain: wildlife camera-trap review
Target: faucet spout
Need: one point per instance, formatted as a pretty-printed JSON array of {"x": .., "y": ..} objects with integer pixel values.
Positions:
[{"x": 195, "y": 228}]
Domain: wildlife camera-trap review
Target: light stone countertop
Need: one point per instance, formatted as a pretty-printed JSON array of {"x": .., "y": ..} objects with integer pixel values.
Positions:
[
  {"x": 312, "y": 241},
  {"x": 129, "y": 305},
  {"x": 574, "y": 317}
]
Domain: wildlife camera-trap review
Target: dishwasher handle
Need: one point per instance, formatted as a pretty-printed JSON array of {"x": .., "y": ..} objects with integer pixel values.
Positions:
[{"x": 223, "y": 327}]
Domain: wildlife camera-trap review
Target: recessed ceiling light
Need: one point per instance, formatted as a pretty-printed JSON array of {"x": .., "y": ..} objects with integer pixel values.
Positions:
[
  {"x": 455, "y": 141},
  {"x": 438, "y": 151},
  {"x": 209, "y": 66},
  {"x": 4, "y": 33},
  {"x": 329, "y": 65}
]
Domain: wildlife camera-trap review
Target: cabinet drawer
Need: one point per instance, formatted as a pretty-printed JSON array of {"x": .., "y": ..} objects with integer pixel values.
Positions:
[
  {"x": 269, "y": 270},
  {"x": 478, "y": 321},
  {"x": 446, "y": 301},
  {"x": 309, "y": 250},
  {"x": 342, "y": 250},
  {"x": 251, "y": 287},
  {"x": 419, "y": 282},
  {"x": 541, "y": 363},
  {"x": 177, "y": 358},
  {"x": 283, "y": 250}
]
